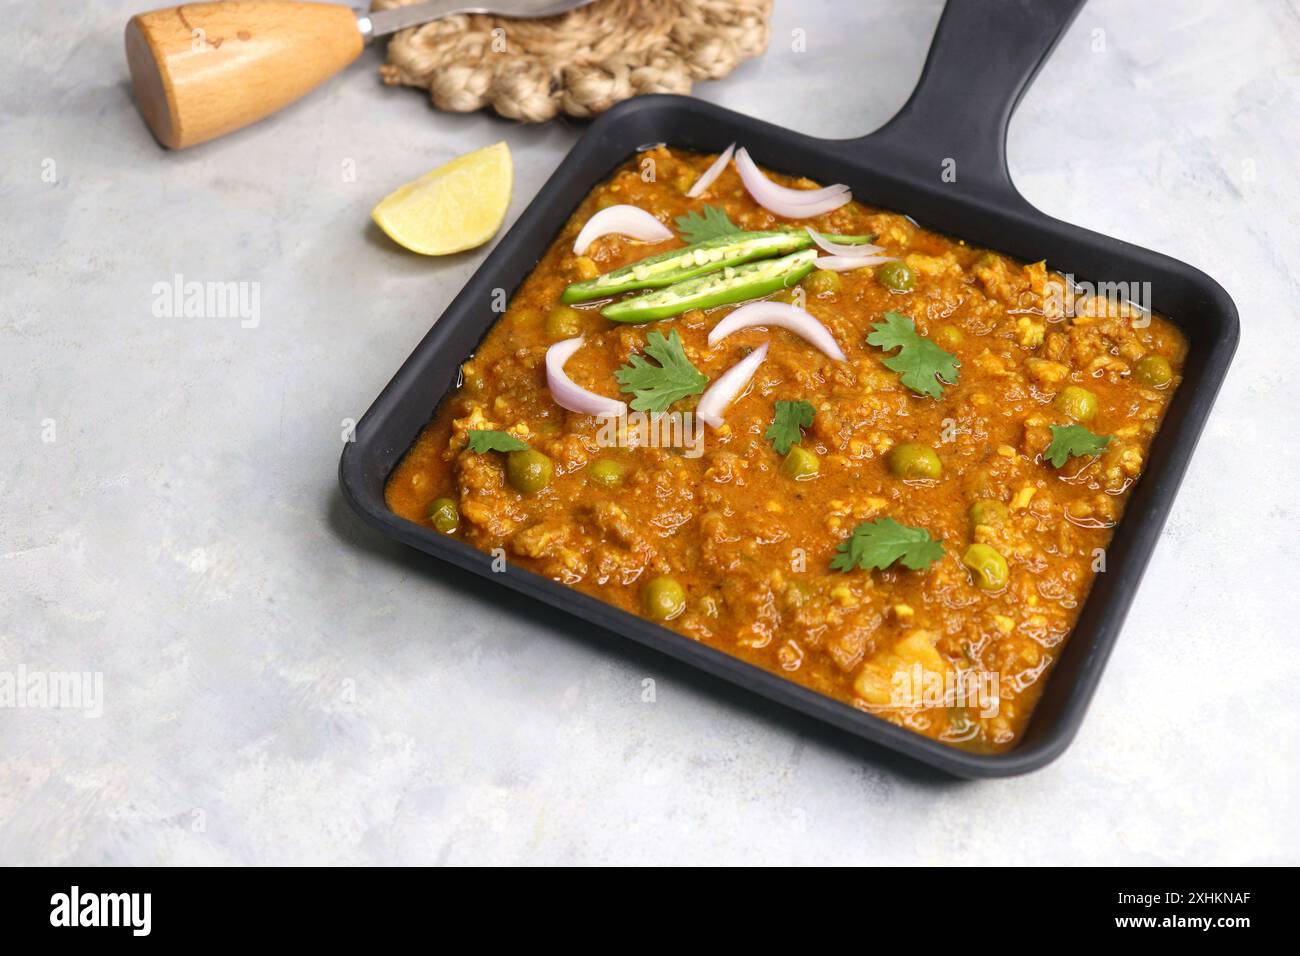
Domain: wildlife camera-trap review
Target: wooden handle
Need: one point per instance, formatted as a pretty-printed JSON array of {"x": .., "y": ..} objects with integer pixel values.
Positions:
[{"x": 201, "y": 70}]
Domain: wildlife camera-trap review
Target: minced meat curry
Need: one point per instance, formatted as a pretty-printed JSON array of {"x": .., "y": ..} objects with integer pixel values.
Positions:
[{"x": 900, "y": 490}]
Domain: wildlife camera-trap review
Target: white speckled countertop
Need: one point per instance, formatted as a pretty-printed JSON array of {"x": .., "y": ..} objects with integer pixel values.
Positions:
[{"x": 280, "y": 684}]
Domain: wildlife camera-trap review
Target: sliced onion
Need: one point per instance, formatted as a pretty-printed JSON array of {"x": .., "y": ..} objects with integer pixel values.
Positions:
[
  {"x": 631, "y": 221},
  {"x": 712, "y": 173},
  {"x": 783, "y": 201},
  {"x": 793, "y": 211},
  {"x": 845, "y": 249},
  {"x": 783, "y": 316},
  {"x": 845, "y": 263},
  {"x": 749, "y": 170},
  {"x": 571, "y": 396},
  {"x": 731, "y": 383}
]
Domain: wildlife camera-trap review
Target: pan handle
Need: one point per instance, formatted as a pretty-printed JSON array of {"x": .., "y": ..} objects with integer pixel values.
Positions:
[{"x": 984, "y": 55}]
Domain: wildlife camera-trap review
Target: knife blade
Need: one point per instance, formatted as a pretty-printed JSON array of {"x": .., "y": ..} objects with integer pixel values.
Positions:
[{"x": 384, "y": 22}]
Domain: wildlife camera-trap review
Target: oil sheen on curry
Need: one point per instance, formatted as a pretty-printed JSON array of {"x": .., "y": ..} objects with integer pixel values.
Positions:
[{"x": 861, "y": 455}]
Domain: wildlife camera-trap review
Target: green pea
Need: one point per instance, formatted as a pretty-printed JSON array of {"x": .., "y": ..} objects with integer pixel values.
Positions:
[
  {"x": 563, "y": 322},
  {"x": 949, "y": 336},
  {"x": 607, "y": 472},
  {"x": 896, "y": 276},
  {"x": 1153, "y": 370},
  {"x": 988, "y": 567},
  {"x": 989, "y": 512},
  {"x": 529, "y": 471},
  {"x": 445, "y": 515},
  {"x": 663, "y": 598},
  {"x": 1078, "y": 403},
  {"x": 800, "y": 463},
  {"x": 823, "y": 282},
  {"x": 913, "y": 461}
]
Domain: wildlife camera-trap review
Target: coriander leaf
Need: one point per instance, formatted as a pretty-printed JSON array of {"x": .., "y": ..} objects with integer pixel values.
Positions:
[
  {"x": 919, "y": 360},
  {"x": 784, "y": 430},
  {"x": 1069, "y": 441},
  {"x": 658, "y": 386},
  {"x": 484, "y": 439},
  {"x": 695, "y": 227},
  {"x": 878, "y": 544}
]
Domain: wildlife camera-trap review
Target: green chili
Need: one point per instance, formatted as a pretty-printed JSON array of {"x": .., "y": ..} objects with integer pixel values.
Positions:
[
  {"x": 701, "y": 258},
  {"x": 749, "y": 281}
]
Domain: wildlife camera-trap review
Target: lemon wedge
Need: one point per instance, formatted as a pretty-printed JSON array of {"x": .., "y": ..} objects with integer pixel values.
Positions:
[{"x": 455, "y": 207}]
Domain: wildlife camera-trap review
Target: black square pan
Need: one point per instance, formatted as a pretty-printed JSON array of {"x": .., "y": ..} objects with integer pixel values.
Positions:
[{"x": 984, "y": 55}]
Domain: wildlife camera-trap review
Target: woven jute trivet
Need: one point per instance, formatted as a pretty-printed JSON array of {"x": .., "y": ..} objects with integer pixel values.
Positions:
[{"x": 580, "y": 63}]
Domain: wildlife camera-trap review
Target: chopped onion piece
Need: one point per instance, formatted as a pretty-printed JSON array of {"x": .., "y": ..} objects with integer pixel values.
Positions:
[
  {"x": 783, "y": 316},
  {"x": 631, "y": 221},
  {"x": 794, "y": 211},
  {"x": 783, "y": 201},
  {"x": 749, "y": 170},
  {"x": 841, "y": 248},
  {"x": 712, "y": 173},
  {"x": 845, "y": 263},
  {"x": 571, "y": 396},
  {"x": 731, "y": 383}
]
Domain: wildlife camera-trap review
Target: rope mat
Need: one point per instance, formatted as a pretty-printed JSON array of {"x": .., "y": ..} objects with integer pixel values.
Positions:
[{"x": 580, "y": 63}]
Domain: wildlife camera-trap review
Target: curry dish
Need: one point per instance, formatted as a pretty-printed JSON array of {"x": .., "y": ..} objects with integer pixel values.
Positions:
[{"x": 901, "y": 496}]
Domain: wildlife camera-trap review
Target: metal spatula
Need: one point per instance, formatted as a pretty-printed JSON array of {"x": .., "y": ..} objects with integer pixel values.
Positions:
[{"x": 201, "y": 70}]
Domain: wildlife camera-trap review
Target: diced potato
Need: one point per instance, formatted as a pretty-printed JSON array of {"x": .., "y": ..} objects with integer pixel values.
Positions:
[
  {"x": 1030, "y": 332},
  {"x": 1046, "y": 373},
  {"x": 876, "y": 682},
  {"x": 1022, "y": 498}
]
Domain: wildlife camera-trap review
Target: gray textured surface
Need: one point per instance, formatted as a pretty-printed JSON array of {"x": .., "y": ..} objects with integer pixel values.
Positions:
[{"x": 282, "y": 685}]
